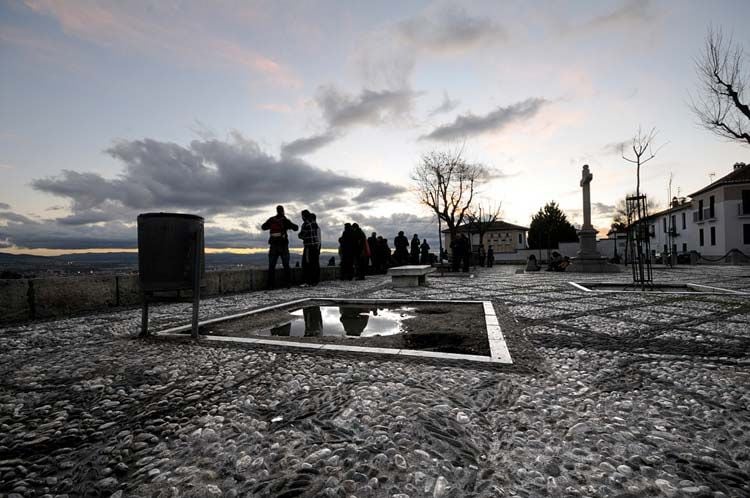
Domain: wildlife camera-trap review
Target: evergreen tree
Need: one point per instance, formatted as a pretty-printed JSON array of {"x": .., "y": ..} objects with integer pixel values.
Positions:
[{"x": 549, "y": 227}]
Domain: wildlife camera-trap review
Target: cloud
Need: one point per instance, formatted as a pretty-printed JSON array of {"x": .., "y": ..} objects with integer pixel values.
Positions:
[
  {"x": 630, "y": 12},
  {"x": 4, "y": 206},
  {"x": 601, "y": 209},
  {"x": 448, "y": 29},
  {"x": 307, "y": 145},
  {"x": 467, "y": 125},
  {"x": 232, "y": 179},
  {"x": 343, "y": 111},
  {"x": 616, "y": 147},
  {"x": 446, "y": 106},
  {"x": 370, "y": 107},
  {"x": 161, "y": 28}
]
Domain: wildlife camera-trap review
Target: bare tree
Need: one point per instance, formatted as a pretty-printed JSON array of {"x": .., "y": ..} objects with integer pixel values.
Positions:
[
  {"x": 481, "y": 219},
  {"x": 447, "y": 183},
  {"x": 722, "y": 106},
  {"x": 642, "y": 147}
]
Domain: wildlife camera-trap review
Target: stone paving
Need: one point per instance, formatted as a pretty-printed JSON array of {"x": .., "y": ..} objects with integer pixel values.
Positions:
[{"x": 610, "y": 395}]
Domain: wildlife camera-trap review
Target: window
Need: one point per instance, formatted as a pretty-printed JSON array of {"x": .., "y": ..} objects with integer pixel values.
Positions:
[
  {"x": 520, "y": 238},
  {"x": 700, "y": 210},
  {"x": 746, "y": 233},
  {"x": 746, "y": 202},
  {"x": 683, "y": 221},
  {"x": 711, "y": 212},
  {"x": 664, "y": 224},
  {"x": 684, "y": 247},
  {"x": 713, "y": 236},
  {"x": 700, "y": 237},
  {"x": 673, "y": 225}
]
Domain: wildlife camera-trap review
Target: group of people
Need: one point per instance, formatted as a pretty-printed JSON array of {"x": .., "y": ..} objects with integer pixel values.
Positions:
[
  {"x": 359, "y": 254},
  {"x": 462, "y": 254},
  {"x": 278, "y": 246}
]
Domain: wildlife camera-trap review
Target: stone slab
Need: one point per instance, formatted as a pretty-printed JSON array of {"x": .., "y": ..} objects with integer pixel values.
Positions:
[{"x": 410, "y": 270}]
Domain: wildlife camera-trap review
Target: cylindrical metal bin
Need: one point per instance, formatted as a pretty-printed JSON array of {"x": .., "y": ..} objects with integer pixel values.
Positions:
[{"x": 167, "y": 244}]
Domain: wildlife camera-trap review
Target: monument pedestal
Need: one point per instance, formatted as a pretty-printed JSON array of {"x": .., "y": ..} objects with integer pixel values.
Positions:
[{"x": 588, "y": 259}]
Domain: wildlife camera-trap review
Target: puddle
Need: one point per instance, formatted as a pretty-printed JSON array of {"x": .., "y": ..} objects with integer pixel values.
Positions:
[{"x": 340, "y": 321}]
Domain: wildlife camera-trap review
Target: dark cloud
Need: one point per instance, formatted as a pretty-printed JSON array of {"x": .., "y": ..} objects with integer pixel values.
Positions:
[
  {"x": 370, "y": 107},
  {"x": 615, "y": 147},
  {"x": 208, "y": 177},
  {"x": 306, "y": 145},
  {"x": 212, "y": 178},
  {"x": 4, "y": 206},
  {"x": 447, "y": 105},
  {"x": 602, "y": 209},
  {"x": 448, "y": 30},
  {"x": 378, "y": 190},
  {"x": 468, "y": 125}
]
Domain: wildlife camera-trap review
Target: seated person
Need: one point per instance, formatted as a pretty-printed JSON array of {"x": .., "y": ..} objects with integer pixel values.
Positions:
[
  {"x": 531, "y": 264},
  {"x": 555, "y": 262},
  {"x": 565, "y": 263}
]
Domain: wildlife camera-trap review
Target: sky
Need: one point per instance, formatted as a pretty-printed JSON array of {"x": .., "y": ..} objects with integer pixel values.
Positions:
[{"x": 228, "y": 108}]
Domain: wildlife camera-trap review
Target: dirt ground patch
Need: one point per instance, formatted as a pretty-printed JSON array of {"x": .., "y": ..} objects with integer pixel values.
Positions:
[{"x": 445, "y": 328}]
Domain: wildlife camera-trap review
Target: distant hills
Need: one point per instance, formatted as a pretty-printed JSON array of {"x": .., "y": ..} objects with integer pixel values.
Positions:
[{"x": 27, "y": 264}]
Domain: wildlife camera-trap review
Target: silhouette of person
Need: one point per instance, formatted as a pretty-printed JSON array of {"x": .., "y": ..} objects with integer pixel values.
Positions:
[
  {"x": 278, "y": 245},
  {"x": 424, "y": 253},
  {"x": 415, "y": 250},
  {"x": 384, "y": 254},
  {"x": 360, "y": 251},
  {"x": 490, "y": 257},
  {"x": 310, "y": 235},
  {"x": 313, "y": 321},
  {"x": 372, "y": 243},
  {"x": 346, "y": 248},
  {"x": 354, "y": 319},
  {"x": 401, "y": 249}
]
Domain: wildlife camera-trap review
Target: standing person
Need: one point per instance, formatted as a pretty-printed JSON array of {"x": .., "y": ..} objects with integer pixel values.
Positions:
[
  {"x": 456, "y": 253},
  {"x": 372, "y": 243},
  {"x": 415, "y": 249},
  {"x": 346, "y": 247},
  {"x": 490, "y": 257},
  {"x": 424, "y": 253},
  {"x": 278, "y": 245},
  {"x": 401, "y": 249},
  {"x": 466, "y": 244},
  {"x": 361, "y": 254},
  {"x": 480, "y": 255},
  {"x": 310, "y": 235},
  {"x": 384, "y": 254}
]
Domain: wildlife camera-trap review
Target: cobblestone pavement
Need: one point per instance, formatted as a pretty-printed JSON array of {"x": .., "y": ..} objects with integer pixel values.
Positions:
[{"x": 610, "y": 395}]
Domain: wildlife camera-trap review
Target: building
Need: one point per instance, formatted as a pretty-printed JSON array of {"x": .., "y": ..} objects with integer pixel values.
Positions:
[
  {"x": 713, "y": 222},
  {"x": 671, "y": 229},
  {"x": 502, "y": 236},
  {"x": 722, "y": 214}
]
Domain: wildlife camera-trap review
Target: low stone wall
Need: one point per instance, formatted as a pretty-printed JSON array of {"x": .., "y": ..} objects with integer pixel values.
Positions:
[{"x": 29, "y": 299}]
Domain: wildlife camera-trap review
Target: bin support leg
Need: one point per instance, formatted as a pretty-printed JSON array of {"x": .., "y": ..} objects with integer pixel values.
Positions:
[
  {"x": 196, "y": 284},
  {"x": 144, "y": 317}
]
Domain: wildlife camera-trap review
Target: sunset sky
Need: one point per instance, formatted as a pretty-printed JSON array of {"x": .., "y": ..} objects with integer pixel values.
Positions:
[{"x": 225, "y": 109}]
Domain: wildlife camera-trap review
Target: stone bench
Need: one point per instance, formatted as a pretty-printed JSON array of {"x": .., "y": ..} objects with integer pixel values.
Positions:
[{"x": 410, "y": 275}]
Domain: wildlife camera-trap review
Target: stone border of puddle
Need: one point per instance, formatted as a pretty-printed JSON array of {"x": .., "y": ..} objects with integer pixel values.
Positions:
[
  {"x": 669, "y": 288},
  {"x": 499, "y": 353}
]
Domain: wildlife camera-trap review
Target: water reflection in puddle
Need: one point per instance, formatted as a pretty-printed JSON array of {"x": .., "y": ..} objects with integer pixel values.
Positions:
[{"x": 349, "y": 320}]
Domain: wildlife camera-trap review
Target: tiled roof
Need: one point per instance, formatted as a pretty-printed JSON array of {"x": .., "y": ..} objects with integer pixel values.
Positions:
[
  {"x": 494, "y": 227},
  {"x": 738, "y": 175}
]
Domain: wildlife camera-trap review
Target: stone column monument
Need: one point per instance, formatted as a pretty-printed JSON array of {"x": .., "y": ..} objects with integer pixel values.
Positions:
[{"x": 588, "y": 259}]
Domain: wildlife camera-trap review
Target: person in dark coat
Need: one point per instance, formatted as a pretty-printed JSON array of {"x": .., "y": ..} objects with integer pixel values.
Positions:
[
  {"x": 372, "y": 243},
  {"x": 424, "y": 258},
  {"x": 346, "y": 250},
  {"x": 480, "y": 255},
  {"x": 278, "y": 245},
  {"x": 401, "y": 249},
  {"x": 384, "y": 254},
  {"x": 360, "y": 251},
  {"x": 310, "y": 235},
  {"x": 490, "y": 257},
  {"x": 457, "y": 254},
  {"x": 414, "y": 250},
  {"x": 466, "y": 252}
]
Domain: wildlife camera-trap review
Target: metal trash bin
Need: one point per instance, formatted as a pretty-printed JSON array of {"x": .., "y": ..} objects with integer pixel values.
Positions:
[{"x": 171, "y": 257}]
